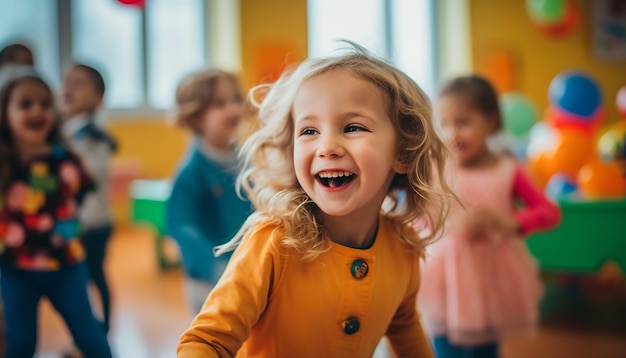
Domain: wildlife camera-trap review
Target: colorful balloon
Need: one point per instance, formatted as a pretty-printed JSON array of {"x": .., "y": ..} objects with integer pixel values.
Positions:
[
  {"x": 569, "y": 152},
  {"x": 538, "y": 169},
  {"x": 138, "y": 3},
  {"x": 575, "y": 92},
  {"x": 565, "y": 26},
  {"x": 561, "y": 186},
  {"x": 599, "y": 180},
  {"x": 541, "y": 139},
  {"x": 611, "y": 144},
  {"x": 559, "y": 118},
  {"x": 519, "y": 114},
  {"x": 546, "y": 11}
]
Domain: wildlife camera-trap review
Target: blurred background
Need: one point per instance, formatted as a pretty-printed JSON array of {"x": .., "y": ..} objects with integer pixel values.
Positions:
[{"x": 559, "y": 67}]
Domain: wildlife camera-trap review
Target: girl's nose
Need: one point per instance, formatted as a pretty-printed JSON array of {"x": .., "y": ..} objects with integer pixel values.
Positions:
[
  {"x": 330, "y": 147},
  {"x": 37, "y": 109}
]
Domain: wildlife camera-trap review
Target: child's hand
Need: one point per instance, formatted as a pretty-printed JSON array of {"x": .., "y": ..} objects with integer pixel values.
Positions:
[{"x": 477, "y": 222}]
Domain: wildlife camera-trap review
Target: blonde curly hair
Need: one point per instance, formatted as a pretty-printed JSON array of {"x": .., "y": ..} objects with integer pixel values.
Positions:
[{"x": 268, "y": 174}]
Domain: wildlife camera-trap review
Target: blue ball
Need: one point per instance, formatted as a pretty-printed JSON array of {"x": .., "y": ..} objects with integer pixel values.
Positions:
[
  {"x": 576, "y": 93},
  {"x": 561, "y": 186}
]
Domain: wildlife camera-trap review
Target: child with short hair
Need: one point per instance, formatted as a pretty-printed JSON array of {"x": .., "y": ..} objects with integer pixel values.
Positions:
[
  {"x": 83, "y": 94},
  {"x": 204, "y": 210}
]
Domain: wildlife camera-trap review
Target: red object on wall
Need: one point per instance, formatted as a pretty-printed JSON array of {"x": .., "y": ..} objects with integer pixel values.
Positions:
[
  {"x": 569, "y": 23},
  {"x": 138, "y": 3}
]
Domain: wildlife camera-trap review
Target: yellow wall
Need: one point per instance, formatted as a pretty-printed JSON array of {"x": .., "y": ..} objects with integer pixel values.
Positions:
[
  {"x": 278, "y": 24},
  {"x": 538, "y": 59},
  {"x": 152, "y": 145}
]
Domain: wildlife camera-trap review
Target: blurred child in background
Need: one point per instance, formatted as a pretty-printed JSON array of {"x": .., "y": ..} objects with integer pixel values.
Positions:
[
  {"x": 16, "y": 54},
  {"x": 42, "y": 185},
  {"x": 83, "y": 92},
  {"x": 13, "y": 57},
  {"x": 479, "y": 283},
  {"x": 204, "y": 209}
]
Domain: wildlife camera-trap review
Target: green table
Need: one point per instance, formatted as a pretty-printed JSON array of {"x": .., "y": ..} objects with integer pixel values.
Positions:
[
  {"x": 148, "y": 208},
  {"x": 590, "y": 234},
  {"x": 578, "y": 294}
]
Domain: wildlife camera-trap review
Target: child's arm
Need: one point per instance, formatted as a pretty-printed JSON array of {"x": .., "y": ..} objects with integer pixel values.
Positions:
[
  {"x": 237, "y": 302},
  {"x": 538, "y": 213},
  {"x": 405, "y": 332},
  {"x": 182, "y": 221},
  {"x": 82, "y": 182},
  {"x": 96, "y": 160}
]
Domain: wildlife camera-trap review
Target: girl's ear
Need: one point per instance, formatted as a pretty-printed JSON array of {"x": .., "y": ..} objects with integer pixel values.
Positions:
[
  {"x": 400, "y": 168},
  {"x": 495, "y": 123},
  {"x": 194, "y": 123}
]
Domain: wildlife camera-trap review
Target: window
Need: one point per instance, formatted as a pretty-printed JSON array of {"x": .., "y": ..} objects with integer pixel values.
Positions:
[
  {"x": 108, "y": 35},
  {"x": 401, "y": 31},
  {"x": 142, "y": 54},
  {"x": 33, "y": 23}
]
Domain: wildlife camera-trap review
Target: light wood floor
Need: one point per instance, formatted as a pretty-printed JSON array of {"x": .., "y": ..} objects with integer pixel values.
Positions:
[
  {"x": 148, "y": 309},
  {"x": 149, "y": 313}
]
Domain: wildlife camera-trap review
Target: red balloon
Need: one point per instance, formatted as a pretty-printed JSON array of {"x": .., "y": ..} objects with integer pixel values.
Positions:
[
  {"x": 565, "y": 27},
  {"x": 560, "y": 118},
  {"x": 138, "y": 3}
]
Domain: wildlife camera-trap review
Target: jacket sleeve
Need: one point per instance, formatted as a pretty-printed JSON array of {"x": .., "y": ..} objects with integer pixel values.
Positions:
[
  {"x": 183, "y": 223},
  {"x": 96, "y": 160},
  {"x": 405, "y": 332},
  {"x": 237, "y": 302},
  {"x": 538, "y": 213}
]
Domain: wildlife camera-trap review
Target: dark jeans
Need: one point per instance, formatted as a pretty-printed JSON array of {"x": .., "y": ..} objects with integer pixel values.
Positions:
[
  {"x": 95, "y": 242},
  {"x": 67, "y": 291},
  {"x": 444, "y": 349}
]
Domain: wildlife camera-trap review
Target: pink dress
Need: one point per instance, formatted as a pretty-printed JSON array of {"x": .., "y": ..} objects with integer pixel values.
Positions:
[{"x": 480, "y": 291}]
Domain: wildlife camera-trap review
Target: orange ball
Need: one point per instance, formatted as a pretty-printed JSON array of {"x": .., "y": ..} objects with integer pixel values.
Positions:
[
  {"x": 571, "y": 150},
  {"x": 538, "y": 169},
  {"x": 599, "y": 180}
]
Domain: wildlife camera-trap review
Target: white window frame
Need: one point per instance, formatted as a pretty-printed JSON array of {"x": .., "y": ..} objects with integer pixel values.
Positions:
[{"x": 390, "y": 48}]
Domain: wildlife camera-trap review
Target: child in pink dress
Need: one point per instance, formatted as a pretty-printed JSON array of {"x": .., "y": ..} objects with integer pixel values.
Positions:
[{"x": 479, "y": 283}]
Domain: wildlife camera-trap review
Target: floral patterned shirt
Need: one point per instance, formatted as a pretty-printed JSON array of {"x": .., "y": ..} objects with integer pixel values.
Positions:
[{"x": 38, "y": 213}]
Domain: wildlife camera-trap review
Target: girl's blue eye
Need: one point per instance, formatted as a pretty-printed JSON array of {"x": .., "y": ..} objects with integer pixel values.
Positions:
[
  {"x": 308, "y": 131},
  {"x": 354, "y": 128}
]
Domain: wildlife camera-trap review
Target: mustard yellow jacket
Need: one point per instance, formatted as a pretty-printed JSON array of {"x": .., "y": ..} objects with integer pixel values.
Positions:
[{"x": 270, "y": 303}]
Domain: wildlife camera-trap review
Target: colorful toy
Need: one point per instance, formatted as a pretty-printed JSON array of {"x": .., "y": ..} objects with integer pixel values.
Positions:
[
  {"x": 519, "y": 114},
  {"x": 575, "y": 93},
  {"x": 599, "y": 180}
]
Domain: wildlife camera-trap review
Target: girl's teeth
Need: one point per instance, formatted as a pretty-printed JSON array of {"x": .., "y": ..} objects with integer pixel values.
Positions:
[{"x": 334, "y": 175}]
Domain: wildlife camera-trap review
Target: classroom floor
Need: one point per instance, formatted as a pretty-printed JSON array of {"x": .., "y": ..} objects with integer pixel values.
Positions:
[{"x": 150, "y": 313}]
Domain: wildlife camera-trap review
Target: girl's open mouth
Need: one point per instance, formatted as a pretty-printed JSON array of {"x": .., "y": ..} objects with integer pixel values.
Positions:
[
  {"x": 36, "y": 124},
  {"x": 335, "y": 179}
]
